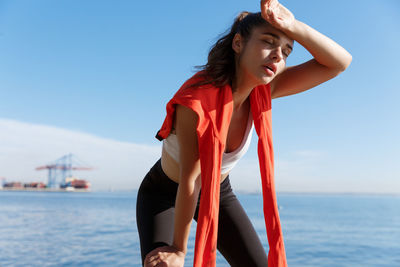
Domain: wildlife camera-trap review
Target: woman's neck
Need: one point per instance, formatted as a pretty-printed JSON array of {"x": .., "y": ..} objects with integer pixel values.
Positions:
[{"x": 241, "y": 90}]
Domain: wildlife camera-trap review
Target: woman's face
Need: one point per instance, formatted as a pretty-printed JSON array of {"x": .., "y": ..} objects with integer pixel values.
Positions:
[{"x": 264, "y": 55}]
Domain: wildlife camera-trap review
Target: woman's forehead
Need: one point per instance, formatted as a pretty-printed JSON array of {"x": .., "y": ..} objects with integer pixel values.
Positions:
[{"x": 267, "y": 29}]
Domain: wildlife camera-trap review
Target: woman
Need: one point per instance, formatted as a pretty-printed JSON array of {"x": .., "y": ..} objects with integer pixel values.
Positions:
[{"x": 207, "y": 129}]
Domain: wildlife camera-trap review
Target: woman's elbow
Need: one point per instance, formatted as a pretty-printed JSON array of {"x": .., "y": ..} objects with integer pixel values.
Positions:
[
  {"x": 346, "y": 61},
  {"x": 342, "y": 65},
  {"x": 190, "y": 182}
]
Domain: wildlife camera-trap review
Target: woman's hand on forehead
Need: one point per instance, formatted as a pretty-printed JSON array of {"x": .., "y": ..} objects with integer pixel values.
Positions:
[{"x": 277, "y": 15}]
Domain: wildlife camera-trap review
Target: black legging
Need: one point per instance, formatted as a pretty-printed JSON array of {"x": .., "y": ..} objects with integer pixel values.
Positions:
[{"x": 237, "y": 240}]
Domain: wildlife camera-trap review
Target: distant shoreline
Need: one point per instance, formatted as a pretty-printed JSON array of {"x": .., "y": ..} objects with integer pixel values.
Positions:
[
  {"x": 238, "y": 192},
  {"x": 44, "y": 190}
]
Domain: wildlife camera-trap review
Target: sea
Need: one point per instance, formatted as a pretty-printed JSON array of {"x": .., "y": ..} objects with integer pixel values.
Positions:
[{"x": 99, "y": 229}]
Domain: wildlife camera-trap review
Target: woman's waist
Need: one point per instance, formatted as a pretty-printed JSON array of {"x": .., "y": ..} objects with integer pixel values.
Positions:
[{"x": 171, "y": 168}]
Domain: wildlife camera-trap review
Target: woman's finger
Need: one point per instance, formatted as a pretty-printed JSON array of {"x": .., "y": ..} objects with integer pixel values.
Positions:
[
  {"x": 154, "y": 253},
  {"x": 152, "y": 262},
  {"x": 271, "y": 16},
  {"x": 265, "y": 5},
  {"x": 271, "y": 4},
  {"x": 152, "y": 258}
]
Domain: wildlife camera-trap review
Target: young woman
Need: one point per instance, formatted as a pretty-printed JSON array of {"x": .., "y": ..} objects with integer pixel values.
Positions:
[{"x": 208, "y": 128}]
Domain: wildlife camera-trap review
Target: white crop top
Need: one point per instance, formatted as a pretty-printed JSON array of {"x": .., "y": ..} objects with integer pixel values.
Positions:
[{"x": 229, "y": 160}]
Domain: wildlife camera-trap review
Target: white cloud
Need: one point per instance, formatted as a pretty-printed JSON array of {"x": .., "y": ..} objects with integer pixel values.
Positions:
[
  {"x": 122, "y": 165},
  {"x": 245, "y": 177},
  {"x": 317, "y": 171},
  {"x": 292, "y": 172},
  {"x": 117, "y": 165}
]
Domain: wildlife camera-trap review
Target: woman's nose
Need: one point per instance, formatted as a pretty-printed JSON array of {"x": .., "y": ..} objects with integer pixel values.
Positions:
[{"x": 276, "y": 54}]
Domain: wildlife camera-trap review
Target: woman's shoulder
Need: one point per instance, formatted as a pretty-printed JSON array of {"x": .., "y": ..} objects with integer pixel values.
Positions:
[
  {"x": 199, "y": 80},
  {"x": 200, "y": 95},
  {"x": 197, "y": 86}
]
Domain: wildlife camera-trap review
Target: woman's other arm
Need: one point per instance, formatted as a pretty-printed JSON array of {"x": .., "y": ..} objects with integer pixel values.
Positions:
[
  {"x": 189, "y": 180},
  {"x": 187, "y": 194}
]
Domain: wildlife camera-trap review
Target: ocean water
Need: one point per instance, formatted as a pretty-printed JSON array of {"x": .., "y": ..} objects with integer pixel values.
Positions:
[{"x": 99, "y": 229}]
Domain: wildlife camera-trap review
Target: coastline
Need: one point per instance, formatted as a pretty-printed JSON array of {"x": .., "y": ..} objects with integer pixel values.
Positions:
[{"x": 44, "y": 190}]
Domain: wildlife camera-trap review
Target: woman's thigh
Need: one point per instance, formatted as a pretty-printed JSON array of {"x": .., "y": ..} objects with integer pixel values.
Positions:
[
  {"x": 155, "y": 210},
  {"x": 237, "y": 241}
]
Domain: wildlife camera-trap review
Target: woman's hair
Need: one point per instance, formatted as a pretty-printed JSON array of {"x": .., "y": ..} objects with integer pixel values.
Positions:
[{"x": 220, "y": 69}]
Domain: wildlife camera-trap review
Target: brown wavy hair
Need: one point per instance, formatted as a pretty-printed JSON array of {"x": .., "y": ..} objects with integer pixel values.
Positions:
[{"x": 220, "y": 69}]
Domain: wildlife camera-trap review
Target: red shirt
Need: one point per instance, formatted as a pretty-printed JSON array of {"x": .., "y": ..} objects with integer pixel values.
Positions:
[{"x": 214, "y": 106}]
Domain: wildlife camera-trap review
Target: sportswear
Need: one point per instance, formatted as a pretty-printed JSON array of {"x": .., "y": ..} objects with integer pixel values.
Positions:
[
  {"x": 214, "y": 106},
  {"x": 229, "y": 159}
]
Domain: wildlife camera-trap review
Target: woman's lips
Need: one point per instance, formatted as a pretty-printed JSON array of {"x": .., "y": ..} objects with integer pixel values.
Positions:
[
  {"x": 271, "y": 66},
  {"x": 270, "y": 70}
]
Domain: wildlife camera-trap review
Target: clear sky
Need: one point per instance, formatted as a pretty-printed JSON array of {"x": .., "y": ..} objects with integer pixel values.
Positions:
[{"x": 93, "y": 77}]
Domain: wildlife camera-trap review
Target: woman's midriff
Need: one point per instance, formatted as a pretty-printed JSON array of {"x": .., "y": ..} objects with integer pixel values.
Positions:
[{"x": 171, "y": 167}]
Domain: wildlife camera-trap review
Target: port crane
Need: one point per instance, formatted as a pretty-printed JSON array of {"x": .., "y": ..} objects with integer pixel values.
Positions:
[{"x": 62, "y": 168}]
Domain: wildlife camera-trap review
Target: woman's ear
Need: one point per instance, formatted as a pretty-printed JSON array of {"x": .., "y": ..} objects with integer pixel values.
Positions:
[{"x": 237, "y": 43}]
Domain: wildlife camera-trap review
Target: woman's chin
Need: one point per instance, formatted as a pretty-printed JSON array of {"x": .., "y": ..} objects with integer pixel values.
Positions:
[{"x": 266, "y": 80}]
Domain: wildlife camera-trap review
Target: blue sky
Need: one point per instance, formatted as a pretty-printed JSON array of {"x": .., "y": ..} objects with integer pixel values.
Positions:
[{"x": 105, "y": 69}]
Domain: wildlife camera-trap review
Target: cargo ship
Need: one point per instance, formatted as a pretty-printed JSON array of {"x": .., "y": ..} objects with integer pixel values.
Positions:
[
  {"x": 60, "y": 177},
  {"x": 72, "y": 184}
]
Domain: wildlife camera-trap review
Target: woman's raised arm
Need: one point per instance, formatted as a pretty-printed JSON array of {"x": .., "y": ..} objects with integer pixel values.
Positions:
[{"x": 329, "y": 60}]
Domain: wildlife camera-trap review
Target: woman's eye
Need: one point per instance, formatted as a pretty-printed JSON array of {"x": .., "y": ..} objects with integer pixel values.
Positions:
[
  {"x": 286, "y": 53},
  {"x": 269, "y": 41}
]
